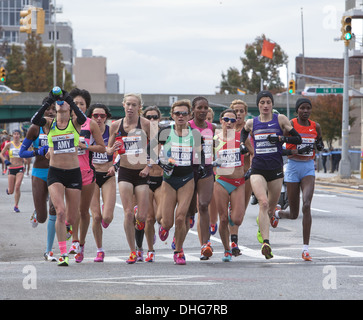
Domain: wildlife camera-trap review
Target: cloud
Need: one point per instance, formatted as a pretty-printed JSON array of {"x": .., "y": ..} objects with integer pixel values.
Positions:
[{"x": 182, "y": 46}]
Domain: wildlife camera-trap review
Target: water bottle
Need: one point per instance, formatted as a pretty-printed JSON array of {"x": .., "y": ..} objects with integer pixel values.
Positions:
[
  {"x": 57, "y": 92},
  {"x": 171, "y": 164},
  {"x": 121, "y": 149}
]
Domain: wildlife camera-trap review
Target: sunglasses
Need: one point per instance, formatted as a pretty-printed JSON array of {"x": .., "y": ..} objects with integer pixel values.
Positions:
[
  {"x": 99, "y": 115},
  {"x": 181, "y": 113},
  {"x": 155, "y": 117},
  {"x": 226, "y": 119}
]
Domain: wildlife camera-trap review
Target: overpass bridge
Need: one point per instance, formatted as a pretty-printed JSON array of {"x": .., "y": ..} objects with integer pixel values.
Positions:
[{"x": 20, "y": 107}]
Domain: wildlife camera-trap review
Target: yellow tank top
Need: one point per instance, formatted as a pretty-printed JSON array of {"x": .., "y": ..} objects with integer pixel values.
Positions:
[
  {"x": 63, "y": 140},
  {"x": 14, "y": 150}
]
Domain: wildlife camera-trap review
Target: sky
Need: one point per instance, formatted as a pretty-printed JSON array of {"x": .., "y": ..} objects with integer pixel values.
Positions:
[{"x": 183, "y": 46}]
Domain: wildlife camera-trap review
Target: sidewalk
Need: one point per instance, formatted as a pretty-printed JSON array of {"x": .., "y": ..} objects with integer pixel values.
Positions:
[{"x": 355, "y": 182}]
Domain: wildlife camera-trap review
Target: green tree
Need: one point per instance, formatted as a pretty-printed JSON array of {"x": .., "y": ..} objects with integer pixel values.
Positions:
[
  {"x": 15, "y": 69},
  {"x": 37, "y": 60},
  {"x": 327, "y": 111},
  {"x": 252, "y": 64}
]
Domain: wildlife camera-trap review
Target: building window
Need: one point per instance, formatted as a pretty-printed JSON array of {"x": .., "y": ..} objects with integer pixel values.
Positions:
[{"x": 51, "y": 35}]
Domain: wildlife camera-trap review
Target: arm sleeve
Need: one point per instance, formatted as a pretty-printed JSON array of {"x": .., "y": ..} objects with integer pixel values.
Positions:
[
  {"x": 24, "y": 152},
  {"x": 294, "y": 139},
  {"x": 244, "y": 135},
  {"x": 37, "y": 118}
]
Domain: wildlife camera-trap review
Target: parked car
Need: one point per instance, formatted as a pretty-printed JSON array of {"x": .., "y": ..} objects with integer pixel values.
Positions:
[
  {"x": 6, "y": 89},
  {"x": 309, "y": 91}
]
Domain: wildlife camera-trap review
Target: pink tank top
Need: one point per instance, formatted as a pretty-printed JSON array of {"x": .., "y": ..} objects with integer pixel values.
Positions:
[
  {"x": 85, "y": 135},
  {"x": 207, "y": 134}
]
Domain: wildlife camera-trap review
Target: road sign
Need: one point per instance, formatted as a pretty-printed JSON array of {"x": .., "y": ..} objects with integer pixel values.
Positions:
[{"x": 329, "y": 90}]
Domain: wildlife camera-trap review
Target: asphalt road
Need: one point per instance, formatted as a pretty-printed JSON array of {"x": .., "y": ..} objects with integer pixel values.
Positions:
[{"x": 336, "y": 272}]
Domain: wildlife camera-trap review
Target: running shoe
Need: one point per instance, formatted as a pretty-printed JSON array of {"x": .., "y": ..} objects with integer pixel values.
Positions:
[
  {"x": 173, "y": 243},
  {"x": 104, "y": 224},
  {"x": 69, "y": 231},
  {"x": 306, "y": 256},
  {"x": 179, "y": 258},
  {"x": 236, "y": 251},
  {"x": 213, "y": 228},
  {"x": 99, "y": 257},
  {"x": 33, "y": 219},
  {"x": 163, "y": 234},
  {"x": 74, "y": 249},
  {"x": 207, "y": 250},
  {"x": 150, "y": 256},
  {"x": 140, "y": 255},
  {"x": 63, "y": 261},
  {"x": 266, "y": 251},
  {"x": 139, "y": 225},
  {"x": 231, "y": 223},
  {"x": 80, "y": 255},
  {"x": 132, "y": 259},
  {"x": 48, "y": 256},
  {"x": 227, "y": 256},
  {"x": 274, "y": 221},
  {"x": 191, "y": 221},
  {"x": 259, "y": 236},
  {"x": 16, "y": 209}
]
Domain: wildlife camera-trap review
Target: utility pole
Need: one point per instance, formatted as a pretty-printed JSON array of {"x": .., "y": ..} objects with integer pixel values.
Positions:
[
  {"x": 344, "y": 165},
  {"x": 55, "y": 45}
]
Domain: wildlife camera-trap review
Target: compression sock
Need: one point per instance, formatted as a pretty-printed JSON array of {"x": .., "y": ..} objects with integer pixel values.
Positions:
[
  {"x": 50, "y": 232},
  {"x": 234, "y": 238},
  {"x": 62, "y": 247}
]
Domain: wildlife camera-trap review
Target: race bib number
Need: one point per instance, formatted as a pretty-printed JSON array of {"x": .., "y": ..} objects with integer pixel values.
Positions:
[{"x": 63, "y": 143}]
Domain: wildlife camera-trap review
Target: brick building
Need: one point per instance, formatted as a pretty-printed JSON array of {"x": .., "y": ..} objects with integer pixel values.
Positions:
[
  {"x": 329, "y": 68},
  {"x": 333, "y": 69}
]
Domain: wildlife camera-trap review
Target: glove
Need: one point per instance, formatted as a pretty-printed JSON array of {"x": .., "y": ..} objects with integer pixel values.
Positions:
[
  {"x": 319, "y": 144},
  {"x": 305, "y": 150},
  {"x": 243, "y": 149},
  {"x": 273, "y": 138},
  {"x": 67, "y": 98},
  {"x": 165, "y": 165},
  {"x": 217, "y": 163},
  {"x": 7, "y": 162},
  {"x": 248, "y": 174},
  {"x": 42, "y": 151},
  {"x": 201, "y": 171}
]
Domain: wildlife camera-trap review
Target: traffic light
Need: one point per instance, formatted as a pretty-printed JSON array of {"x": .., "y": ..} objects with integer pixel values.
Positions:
[
  {"x": 2, "y": 74},
  {"x": 26, "y": 20},
  {"x": 292, "y": 86},
  {"x": 40, "y": 20},
  {"x": 346, "y": 28}
]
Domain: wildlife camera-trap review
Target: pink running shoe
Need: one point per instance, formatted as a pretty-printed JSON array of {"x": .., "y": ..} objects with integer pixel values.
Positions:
[
  {"x": 179, "y": 258},
  {"x": 80, "y": 255},
  {"x": 104, "y": 224},
  {"x": 163, "y": 234},
  {"x": 139, "y": 225},
  {"x": 100, "y": 256}
]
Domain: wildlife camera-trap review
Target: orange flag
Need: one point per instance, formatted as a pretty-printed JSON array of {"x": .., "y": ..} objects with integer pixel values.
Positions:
[{"x": 267, "y": 49}]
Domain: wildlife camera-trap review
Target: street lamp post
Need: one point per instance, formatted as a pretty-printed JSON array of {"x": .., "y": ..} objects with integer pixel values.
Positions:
[{"x": 344, "y": 165}]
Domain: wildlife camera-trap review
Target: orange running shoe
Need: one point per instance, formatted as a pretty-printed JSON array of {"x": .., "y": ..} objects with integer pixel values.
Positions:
[
  {"x": 132, "y": 259},
  {"x": 306, "y": 256},
  {"x": 274, "y": 221}
]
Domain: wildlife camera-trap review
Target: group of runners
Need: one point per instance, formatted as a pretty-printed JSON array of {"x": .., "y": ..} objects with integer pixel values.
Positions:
[{"x": 164, "y": 175}]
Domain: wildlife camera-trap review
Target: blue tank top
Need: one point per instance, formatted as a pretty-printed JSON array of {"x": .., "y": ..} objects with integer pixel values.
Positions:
[
  {"x": 41, "y": 140},
  {"x": 268, "y": 156}
]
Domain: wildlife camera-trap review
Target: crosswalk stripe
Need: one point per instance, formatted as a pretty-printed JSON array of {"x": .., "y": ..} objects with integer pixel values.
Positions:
[{"x": 343, "y": 251}]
